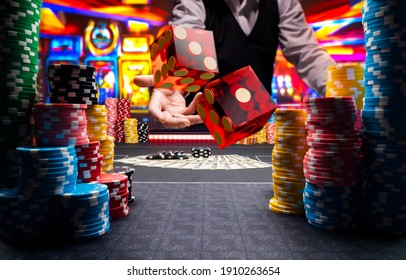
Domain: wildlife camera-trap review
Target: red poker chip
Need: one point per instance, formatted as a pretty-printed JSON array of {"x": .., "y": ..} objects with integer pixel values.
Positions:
[
  {"x": 331, "y": 156},
  {"x": 343, "y": 141},
  {"x": 119, "y": 198},
  {"x": 330, "y": 178},
  {"x": 316, "y": 109},
  {"x": 329, "y": 170},
  {"x": 334, "y": 153},
  {"x": 113, "y": 178},
  {"x": 118, "y": 202},
  {"x": 119, "y": 216},
  {"x": 88, "y": 153},
  {"x": 336, "y": 127},
  {"x": 322, "y": 184},
  {"x": 65, "y": 142},
  {"x": 329, "y": 100},
  {"x": 119, "y": 195},
  {"x": 331, "y": 145},
  {"x": 334, "y": 136},
  {"x": 117, "y": 189},
  {"x": 119, "y": 209},
  {"x": 334, "y": 163}
]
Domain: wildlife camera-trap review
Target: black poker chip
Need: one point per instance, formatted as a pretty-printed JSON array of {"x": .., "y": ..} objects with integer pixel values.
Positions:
[
  {"x": 168, "y": 155},
  {"x": 201, "y": 152},
  {"x": 73, "y": 84}
]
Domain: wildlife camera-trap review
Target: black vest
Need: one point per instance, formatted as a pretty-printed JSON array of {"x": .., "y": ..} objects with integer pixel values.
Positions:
[{"x": 235, "y": 49}]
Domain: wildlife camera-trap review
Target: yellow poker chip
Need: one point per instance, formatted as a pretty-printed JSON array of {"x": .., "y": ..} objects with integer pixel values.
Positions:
[
  {"x": 288, "y": 186},
  {"x": 290, "y": 113},
  {"x": 275, "y": 207},
  {"x": 287, "y": 200},
  {"x": 286, "y": 172},
  {"x": 290, "y": 148},
  {"x": 290, "y": 129},
  {"x": 288, "y": 177},
  {"x": 292, "y": 164},
  {"x": 290, "y": 141},
  {"x": 281, "y": 178},
  {"x": 293, "y": 189},
  {"x": 295, "y": 164},
  {"x": 283, "y": 155}
]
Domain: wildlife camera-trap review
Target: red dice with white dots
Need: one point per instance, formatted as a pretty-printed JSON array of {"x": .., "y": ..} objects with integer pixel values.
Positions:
[
  {"x": 183, "y": 59},
  {"x": 235, "y": 106}
]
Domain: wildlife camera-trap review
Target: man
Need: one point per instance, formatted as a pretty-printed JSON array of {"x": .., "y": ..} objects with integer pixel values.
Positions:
[{"x": 246, "y": 32}]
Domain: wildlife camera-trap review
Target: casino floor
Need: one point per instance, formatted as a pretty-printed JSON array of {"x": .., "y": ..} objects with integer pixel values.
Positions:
[{"x": 181, "y": 213}]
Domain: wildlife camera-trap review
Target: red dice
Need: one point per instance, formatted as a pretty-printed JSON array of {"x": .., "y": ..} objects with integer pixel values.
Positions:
[
  {"x": 235, "y": 106},
  {"x": 183, "y": 59}
]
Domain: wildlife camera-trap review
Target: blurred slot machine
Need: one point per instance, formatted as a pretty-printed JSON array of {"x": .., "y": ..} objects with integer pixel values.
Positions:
[
  {"x": 63, "y": 50},
  {"x": 135, "y": 60},
  {"x": 101, "y": 42},
  {"x": 43, "y": 50}
]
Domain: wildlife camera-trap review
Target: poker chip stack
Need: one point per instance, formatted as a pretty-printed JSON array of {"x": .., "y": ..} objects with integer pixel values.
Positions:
[
  {"x": 261, "y": 136},
  {"x": 128, "y": 171},
  {"x": 90, "y": 162},
  {"x": 270, "y": 132},
  {"x": 143, "y": 132},
  {"x": 287, "y": 156},
  {"x": 124, "y": 112},
  {"x": 332, "y": 164},
  {"x": 118, "y": 190},
  {"x": 347, "y": 79},
  {"x": 130, "y": 130},
  {"x": 83, "y": 212},
  {"x": 112, "y": 114},
  {"x": 60, "y": 124},
  {"x": 201, "y": 152},
  {"x": 97, "y": 126},
  {"x": 250, "y": 140},
  {"x": 96, "y": 122},
  {"x": 75, "y": 84},
  {"x": 24, "y": 219},
  {"x": 46, "y": 171},
  {"x": 107, "y": 150},
  {"x": 19, "y": 39},
  {"x": 384, "y": 117}
]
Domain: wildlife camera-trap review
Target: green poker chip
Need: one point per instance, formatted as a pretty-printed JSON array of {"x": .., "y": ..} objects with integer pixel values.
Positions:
[
  {"x": 12, "y": 25},
  {"x": 20, "y": 17},
  {"x": 18, "y": 81},
  {"x": 18, "y": 74},
  {"x": 15, "y": 34},
  {"x": 23, "y": 31},
  {"x": 18, "y": 89},
  {"x": 18, "y": 21},
  {"x": 29, "y": 10},
  {"x": 20, "y": 3},
  {"x": 16, "y": 52},
  {"x": 11, "y": 65}
]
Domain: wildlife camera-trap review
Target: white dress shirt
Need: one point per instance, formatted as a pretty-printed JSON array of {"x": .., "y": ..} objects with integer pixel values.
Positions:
[{"x": 296, "y": 37}]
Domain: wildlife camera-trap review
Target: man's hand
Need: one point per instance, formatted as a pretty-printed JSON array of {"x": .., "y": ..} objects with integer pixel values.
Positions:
[{"x": 168, "y": 106}]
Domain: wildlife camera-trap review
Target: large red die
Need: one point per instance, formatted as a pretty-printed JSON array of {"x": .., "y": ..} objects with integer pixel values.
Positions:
[
  {"x": 235, "y": 106},
  {"x": 183, "y": 59}
]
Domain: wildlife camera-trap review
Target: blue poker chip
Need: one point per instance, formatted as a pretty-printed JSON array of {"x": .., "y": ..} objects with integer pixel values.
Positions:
[
  {"x": 317, "y": 221},
  {"x": 45, "y": 151},
  {"x": 86, "y": 190},
  {"x": 83, "y": 212},
  {"x": 93, "y": 234},
  {"x": 48, "y": 164}
]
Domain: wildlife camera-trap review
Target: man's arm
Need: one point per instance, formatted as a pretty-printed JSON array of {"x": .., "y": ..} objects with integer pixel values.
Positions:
[
  {"x": 300, "y": 47},
  {"x": 189, "y": 14}
]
